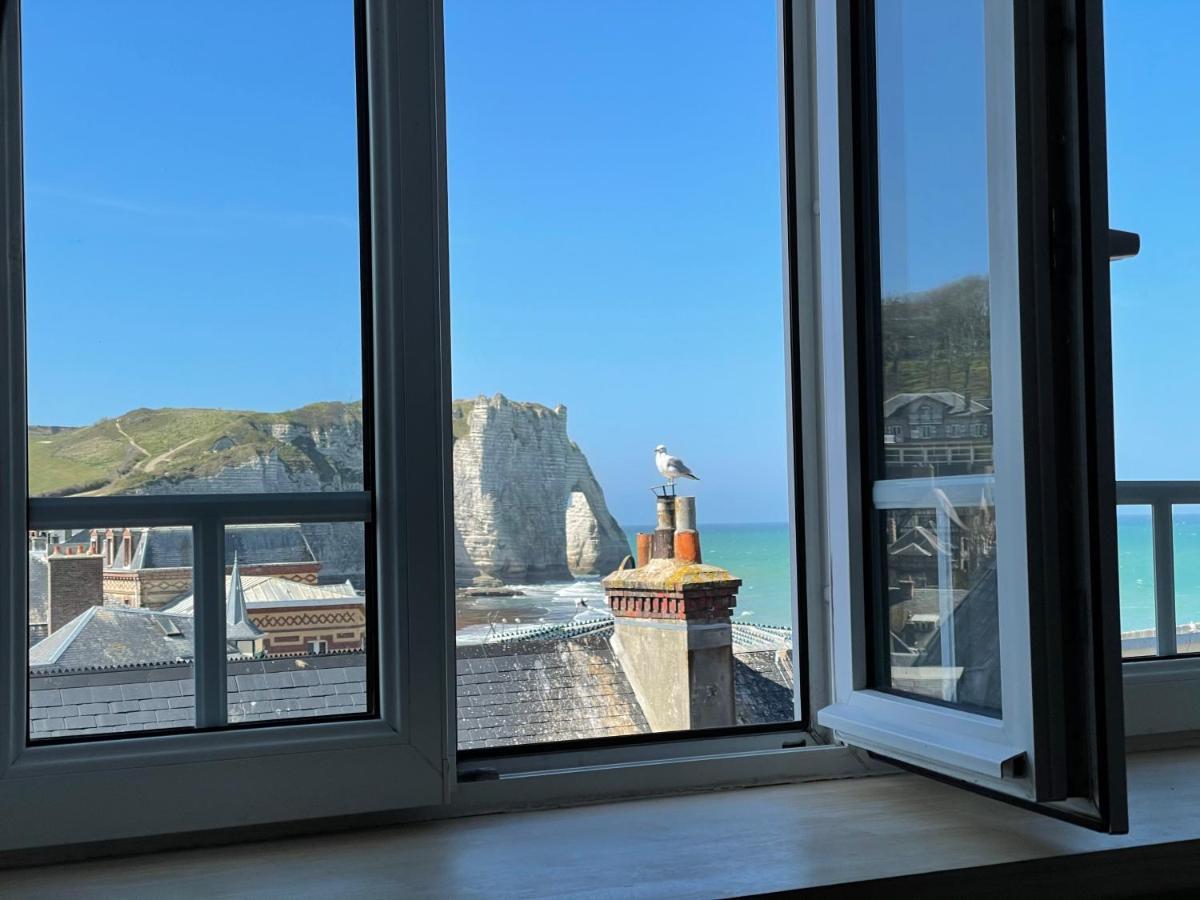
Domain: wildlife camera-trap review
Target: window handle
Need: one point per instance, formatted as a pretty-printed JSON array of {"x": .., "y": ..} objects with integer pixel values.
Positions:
[{"x": 1123, "y": 244}]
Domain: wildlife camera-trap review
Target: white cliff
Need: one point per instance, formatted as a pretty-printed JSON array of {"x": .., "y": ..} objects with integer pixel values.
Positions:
[{"x": 527, "y": 506}]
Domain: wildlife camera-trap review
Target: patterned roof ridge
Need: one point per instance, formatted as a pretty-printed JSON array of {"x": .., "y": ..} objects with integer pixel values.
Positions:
[
  {"x": 751, "y": 636},
  {"x": 554, "y": 631},
  {"x": 124, "y": 667},
  {"x": 743, "y": 632},
  {"x": 175, "y": 663}
]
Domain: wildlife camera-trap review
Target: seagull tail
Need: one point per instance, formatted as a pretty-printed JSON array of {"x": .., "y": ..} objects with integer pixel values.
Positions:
[{"x": 691, "y": 476}]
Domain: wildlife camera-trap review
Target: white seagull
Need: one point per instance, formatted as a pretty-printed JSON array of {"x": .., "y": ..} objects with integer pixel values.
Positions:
[{"x": 671, "y": 467}]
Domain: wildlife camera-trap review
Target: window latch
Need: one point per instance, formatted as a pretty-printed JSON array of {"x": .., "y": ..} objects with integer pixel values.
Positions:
[{"x": 1123, "y": 244}]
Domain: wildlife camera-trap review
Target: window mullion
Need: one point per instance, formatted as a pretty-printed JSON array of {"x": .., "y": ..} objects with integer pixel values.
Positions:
[
  {"x": 208, "y": 575},
  {"x": 13, "y": 541},
  {"x": 1164, "y": 577}
]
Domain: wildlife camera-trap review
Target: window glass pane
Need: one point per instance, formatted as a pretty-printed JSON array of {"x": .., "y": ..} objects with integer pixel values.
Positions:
[
  {"x": 616, "y": 251},
  {"x": 192, "y": 235},
  {"x": 1135, "y": 567},
  {"x": 100, "y": 660},
  {"x": 938, "y": 617},
  {"x": 296, "y": 621},
  {"x": 1153, "y": 183}
]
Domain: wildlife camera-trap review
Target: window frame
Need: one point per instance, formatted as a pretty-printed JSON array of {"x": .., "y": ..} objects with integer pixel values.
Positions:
[
  {"x": 978, "y": 748},
  {"x": 1045, "y": 95},
  {"x": 209, "y": 776},
  {"x": 196, "y": 780},
  {"x": 803, "y": 401}
]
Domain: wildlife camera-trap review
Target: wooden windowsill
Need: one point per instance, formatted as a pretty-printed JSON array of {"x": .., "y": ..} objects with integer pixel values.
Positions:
[{"x": 902, "y": 828}]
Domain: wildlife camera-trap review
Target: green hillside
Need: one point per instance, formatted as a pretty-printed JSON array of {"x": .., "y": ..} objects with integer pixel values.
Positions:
[
  {"x": 938, "y": 340},
  {"x": 117, "y": 455}
]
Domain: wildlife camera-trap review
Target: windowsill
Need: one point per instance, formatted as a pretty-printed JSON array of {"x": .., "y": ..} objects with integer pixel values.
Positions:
[{"x": 721, "y": 843}]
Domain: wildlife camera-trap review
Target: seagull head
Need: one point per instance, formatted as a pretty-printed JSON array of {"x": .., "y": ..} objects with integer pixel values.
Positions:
[{"x": 661, "y": 448}]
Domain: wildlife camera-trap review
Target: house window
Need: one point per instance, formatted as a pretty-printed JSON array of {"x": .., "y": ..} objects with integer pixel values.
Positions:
[
  {"x": 210, "y": 450},
  {"x": 250, "y": 233},
  {"x": 589, "y": 560}
]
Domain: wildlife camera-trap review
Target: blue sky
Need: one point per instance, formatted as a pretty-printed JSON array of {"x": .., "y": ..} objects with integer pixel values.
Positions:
[
  {"x": 191, "y": 201},
  {"x": 614, "y": 215},
  {"x": 1154, "y": 186}
]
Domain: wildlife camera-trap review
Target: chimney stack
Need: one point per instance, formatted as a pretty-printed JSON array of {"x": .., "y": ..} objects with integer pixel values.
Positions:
[
  {"x": 672, "y": 625},
  {"x": 664, "y": 528},
  {"x": 73, "y": 583},
  {"x": 687, "y": 538}
]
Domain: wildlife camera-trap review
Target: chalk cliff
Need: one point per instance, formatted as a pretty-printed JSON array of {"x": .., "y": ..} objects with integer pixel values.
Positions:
[{"x": 527, "y": 506}]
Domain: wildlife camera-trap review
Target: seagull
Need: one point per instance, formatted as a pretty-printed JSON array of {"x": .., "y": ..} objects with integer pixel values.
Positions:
[{"x": 671, "y": 467}]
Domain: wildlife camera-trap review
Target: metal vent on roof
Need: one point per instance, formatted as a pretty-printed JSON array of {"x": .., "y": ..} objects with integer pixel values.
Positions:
[{"x": 168, "y": 626}]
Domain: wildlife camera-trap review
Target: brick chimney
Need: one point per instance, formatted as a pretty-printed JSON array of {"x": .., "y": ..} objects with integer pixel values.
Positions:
[
  {"x": 73, "y": 583},
  {"x": 672, "y": 628}
]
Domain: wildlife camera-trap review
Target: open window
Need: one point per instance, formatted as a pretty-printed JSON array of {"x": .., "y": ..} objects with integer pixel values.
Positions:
[
  {"x": 968, "y": 383},
  {"x": 175, "y": 631}
]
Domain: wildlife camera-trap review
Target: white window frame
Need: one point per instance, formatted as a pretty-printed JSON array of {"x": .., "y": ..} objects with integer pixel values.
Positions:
[
  {"x": 82, "y": 792},
  {"x": 976, "y": 748}
]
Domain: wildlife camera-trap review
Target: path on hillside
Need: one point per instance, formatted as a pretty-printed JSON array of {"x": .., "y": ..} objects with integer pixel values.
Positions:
[
  {"x": 151, "y": 465},
  {"x": 96, "y": 492},
  {"x": 134, "y": 444}
]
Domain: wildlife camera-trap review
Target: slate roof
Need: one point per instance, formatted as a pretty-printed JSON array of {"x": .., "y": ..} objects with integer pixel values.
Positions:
[
  {"x": 67, "y": 703},
  {"x": 533, "y": 689},
  {"x": 543, "y": 690},
  {"x": 976, "y": 627},
  {"x": 168, "y": 548},
  {"x": 274, "y": 591},
  {"x": 548, "y": 687},
  {"x": 110, "y": 636},
  {"x": 955, "y": 403}
]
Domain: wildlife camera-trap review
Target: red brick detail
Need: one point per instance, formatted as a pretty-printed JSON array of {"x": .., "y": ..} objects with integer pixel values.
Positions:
[{"x": 699, "y": 604}]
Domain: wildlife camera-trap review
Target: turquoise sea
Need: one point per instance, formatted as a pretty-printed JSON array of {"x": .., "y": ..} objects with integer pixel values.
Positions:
[
  {"x": 1135, "y": 557},
  {"x": 759, "y": 556}
]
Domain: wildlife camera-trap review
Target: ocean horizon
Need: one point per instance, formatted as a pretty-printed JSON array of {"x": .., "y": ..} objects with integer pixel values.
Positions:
[{"x": 759, "y": 554}]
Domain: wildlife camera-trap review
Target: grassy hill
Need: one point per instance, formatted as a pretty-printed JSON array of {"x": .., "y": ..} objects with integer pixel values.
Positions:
[
  {"x": 117, "y": 455},
  {"x": 938, "y": 340}
]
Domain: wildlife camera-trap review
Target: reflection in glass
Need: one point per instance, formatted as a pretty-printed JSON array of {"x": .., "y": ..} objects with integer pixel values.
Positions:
[{"x": 937, "y": 517}]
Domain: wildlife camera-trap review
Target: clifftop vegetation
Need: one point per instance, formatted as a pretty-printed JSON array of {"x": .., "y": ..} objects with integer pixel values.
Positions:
[
  {"x": 117, "y": 455},
  {"x": 939, "y": 340}
]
